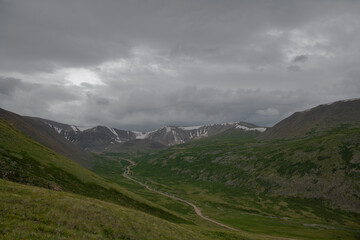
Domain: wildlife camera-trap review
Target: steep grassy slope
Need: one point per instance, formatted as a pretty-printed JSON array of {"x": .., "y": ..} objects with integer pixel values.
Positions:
[
  {"x": 316, "y": 120},
  {"x": 46, "y": 136},
  {"x": 26, "y": 161},
  {"x": 28, "y": 212}
]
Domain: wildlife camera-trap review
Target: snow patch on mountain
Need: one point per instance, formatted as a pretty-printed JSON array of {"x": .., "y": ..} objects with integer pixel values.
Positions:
[
  {"x": 260, "y": 129},
  {"x": 142, "y": 135},
  {"x": 57, "y": 129},
  {"x": 74, "y": 128},
  {"x": 168, "y": 129},
  {"x": 113, "y": 131},
  {"x": 81, "y": 129},
  {"x": 191, "y": 127}
]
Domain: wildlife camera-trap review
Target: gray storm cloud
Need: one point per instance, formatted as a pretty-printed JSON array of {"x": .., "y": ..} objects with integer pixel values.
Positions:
[
  {"x": 9, "y": 85},
  {"x": 144, "y": 64},
  {"x": 300, "y": 58}
]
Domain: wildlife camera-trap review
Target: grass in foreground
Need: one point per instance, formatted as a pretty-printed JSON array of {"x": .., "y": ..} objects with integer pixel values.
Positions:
[{"x": 28, "y": 212}]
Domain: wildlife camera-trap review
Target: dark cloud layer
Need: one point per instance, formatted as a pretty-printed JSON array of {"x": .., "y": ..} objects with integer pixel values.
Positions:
[
  {"x": 300, "y": 58},
  {"x": 144, "y": 64},
  {"x": 8, "y": 85}
]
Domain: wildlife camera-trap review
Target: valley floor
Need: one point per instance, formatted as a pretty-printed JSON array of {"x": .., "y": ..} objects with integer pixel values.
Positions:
[
  {"x": 196, "y": 209},
  {"x": 237, "y": 213}
]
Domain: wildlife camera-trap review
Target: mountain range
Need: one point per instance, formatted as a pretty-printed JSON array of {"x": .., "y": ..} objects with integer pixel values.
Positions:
[
  {"x": 100, "y": 138},
  {"x": 104, "y": 138}
]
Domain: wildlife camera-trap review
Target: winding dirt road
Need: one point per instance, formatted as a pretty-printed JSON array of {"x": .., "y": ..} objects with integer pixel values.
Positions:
[{"x": 196, "y": 209}]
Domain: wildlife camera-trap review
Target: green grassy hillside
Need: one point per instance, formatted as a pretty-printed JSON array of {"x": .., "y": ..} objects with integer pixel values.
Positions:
[
  {"x": 326, "y": 166},
  {"x": 28, "y": 212},
  {"x": 313, "y": 181},
  {"x": 43, "y": 134},
  {"x": 26, "y": 161}
]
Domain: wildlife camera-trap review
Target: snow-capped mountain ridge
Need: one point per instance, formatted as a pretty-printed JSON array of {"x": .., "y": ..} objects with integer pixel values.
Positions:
[
  {"x": 92, "y": 138},
  {"x": 99, "y": 137},
  {"x": 172, "y": 135}
]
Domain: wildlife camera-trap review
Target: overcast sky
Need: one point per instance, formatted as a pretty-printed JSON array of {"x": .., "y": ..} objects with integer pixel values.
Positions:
[{"x": 143, "y": 64}]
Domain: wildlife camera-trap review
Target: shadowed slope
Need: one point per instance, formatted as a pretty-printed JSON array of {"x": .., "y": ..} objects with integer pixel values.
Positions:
[
  {"x": 43, "y": 134},
  {"x": 317, "y": 119}
]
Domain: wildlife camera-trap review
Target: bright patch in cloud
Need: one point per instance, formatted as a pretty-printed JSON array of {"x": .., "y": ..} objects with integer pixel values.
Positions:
[
  {"x": 275, "y": 32},
  {"x": 77, "y": 76},
  {"x": 141, "y": 60},
  {"x": 304, "y": 43}
]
